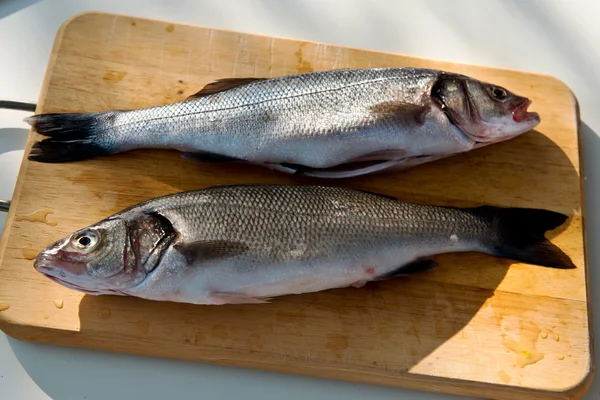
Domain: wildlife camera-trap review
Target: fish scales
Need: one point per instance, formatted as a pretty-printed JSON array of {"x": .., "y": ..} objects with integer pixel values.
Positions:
[
  {"x": 321, "y": 124},
  {"x": 249, "y": 243}
]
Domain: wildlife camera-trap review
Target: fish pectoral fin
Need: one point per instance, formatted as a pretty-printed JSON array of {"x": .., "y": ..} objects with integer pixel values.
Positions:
[
  {"x": 341, "y": 171},
  {"x": 210, "y": 250},
  {"x": 418, "y": 266},
  {"x": 401, "y": 111},
  {"x": 205, "y": 156},
  {"x": 220, "y": 298},
  {"x": 221, "y": 85}
]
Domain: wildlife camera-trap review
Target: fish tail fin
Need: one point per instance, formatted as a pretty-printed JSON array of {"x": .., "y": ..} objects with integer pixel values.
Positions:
[
  {"x": 519, "y": 234},
  {"x": 71, "y": 136}
]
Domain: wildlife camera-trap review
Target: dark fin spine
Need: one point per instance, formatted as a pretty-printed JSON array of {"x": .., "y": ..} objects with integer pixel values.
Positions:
[
  {"x": 416, "y": 267},
  {"x": 208, "y": 157},
  {"x": 519, "y": 234},
  {"x": 222, "y": 85},
  {"x": 71, "y": 136},
  {"x": 210, "y": 250}
]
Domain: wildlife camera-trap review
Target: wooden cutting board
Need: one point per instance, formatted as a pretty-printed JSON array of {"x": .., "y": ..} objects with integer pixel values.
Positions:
[{"x": 477, "y": 325}]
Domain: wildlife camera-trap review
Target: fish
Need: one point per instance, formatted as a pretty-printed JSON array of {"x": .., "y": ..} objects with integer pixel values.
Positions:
[
  {"x": 332, "y": 124},
  {"x": 252, "y": 243}
]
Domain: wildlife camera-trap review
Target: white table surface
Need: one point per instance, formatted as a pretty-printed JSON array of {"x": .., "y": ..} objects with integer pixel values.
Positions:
[{"x": 561, "y": 38}]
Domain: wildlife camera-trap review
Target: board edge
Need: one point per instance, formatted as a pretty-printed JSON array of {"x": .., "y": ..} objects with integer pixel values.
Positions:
[{"x": 577, "y": 390}]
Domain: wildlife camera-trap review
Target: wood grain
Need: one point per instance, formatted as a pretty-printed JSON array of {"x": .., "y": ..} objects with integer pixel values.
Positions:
[{"x": 477, "y": 325}]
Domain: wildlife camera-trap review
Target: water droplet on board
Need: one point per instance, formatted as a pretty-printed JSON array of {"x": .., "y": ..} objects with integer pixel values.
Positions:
[
  {"x": 38, "y": 216},
  {"x": 556, "y": 337},
  {"x": 560, "y": 357},
  {"x": 4, "y": 306},
  {"x": 544, "y": 335},
  {"x": 504, "y": 376},
  {"x": 143, "y": 327},
  {"x": 525, "y": 347},
  {"x": 58, "y": 304},
  {"x": 29, "y": 253}
]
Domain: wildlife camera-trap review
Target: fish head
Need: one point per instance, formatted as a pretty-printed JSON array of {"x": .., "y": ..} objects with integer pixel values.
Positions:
[
  {"x": 485, "y": 112},
  {"x": 105, "y": 258}
]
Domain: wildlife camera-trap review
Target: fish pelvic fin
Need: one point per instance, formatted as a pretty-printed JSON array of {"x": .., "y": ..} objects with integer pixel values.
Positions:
[
  {"x": 519, "y": 234},
  {"x": 221, "y": 298},
  {"x": 70, "y": 136},
  {"x": 415, "y": 267}
]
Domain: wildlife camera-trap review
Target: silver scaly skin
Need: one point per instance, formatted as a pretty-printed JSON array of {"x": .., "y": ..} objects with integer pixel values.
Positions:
[
  {"x": 305, "y": 123},
  {"x": 249, "y": 243}
]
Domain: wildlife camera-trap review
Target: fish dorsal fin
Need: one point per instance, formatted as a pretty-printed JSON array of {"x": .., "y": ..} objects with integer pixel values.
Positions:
[
  {"x": 385, "y": 196},
  {"x": 221, "y": 85}
]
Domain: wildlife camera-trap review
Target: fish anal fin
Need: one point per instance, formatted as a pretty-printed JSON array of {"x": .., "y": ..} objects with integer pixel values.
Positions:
[
  {"x": 221, "y": 85},
  {"x": 220, "y": 298},
  {"x": 418, "y": 266},
  {"x": 210, "y": 250},
  {"x": 401, "y": 111},
  {"x": 358, "y": 284},
  {"x": 204, "y": 156}
]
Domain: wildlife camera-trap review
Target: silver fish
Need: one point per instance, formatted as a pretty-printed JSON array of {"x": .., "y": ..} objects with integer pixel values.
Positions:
[
  {"x": 331, "y": 124},
  {"x": 249, "y": 243}
]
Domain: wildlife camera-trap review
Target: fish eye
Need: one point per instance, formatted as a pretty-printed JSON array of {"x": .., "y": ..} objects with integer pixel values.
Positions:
[
  {"x": 86, "y": 240},
  {"x": 498, "y": 93}
]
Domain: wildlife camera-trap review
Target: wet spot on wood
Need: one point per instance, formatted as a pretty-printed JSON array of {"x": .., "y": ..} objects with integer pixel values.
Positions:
[
  {"x": 504, "y": 376},
  {"x": 525, "y": 346},
  {"x": 38, "y": 216},
  {"x": 336, "y": 342},
  {"x": 113, "y": 76},
  {"x": 180, "y": 92},
  {"x": 104, "y": 314},
  {"x": 198, "y": 338},
  {"x": 29, "y": 253},
  {"x": 143, "y": 327},
  {"x": 219, "y": 331},
  {"x": 302, "y": 65},
  {"x": 170, "y": 28},
  {"x": 255, "y": 341},
  {"x": 133, "y": 23}
]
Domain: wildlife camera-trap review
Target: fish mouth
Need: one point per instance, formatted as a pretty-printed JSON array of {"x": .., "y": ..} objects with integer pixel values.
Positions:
[
  {"x": 73, "y": 286},
  {"x": 50, "y": 267},
  {"x": 520, "y": 113}
]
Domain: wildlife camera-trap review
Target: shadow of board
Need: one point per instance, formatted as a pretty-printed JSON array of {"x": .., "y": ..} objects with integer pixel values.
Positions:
[{"x": 410, "y": 316}]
